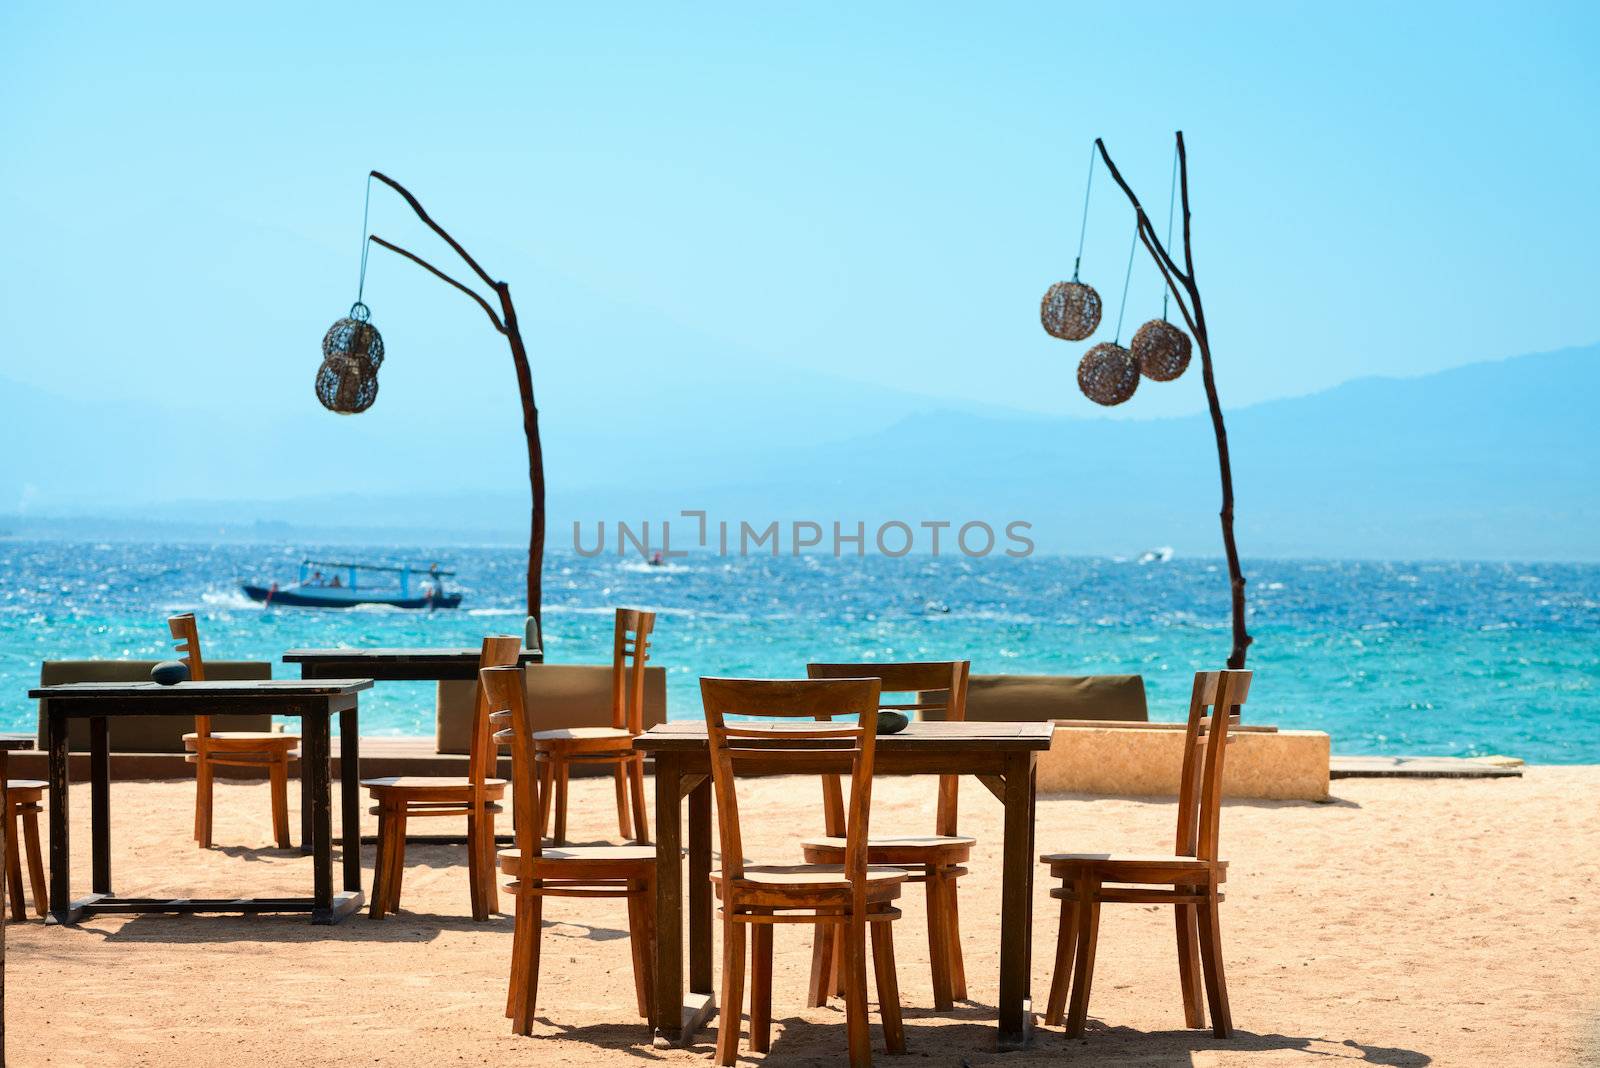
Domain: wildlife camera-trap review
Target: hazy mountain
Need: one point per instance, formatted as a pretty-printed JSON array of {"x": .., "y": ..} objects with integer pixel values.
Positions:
[{"x": 1488, "y": 460}]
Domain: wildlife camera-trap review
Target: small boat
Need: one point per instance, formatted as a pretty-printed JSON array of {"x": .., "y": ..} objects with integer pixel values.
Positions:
[
  {"x": 1156, "y": 556},
  {"x": 342, "y": 587}
]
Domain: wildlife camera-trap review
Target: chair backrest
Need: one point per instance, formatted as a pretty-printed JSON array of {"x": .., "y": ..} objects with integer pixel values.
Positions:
[
  {"x": 1214, "y": 706},
  {"x": 499, "y": 650},
  {"x": 940, "y": 687},
  {"x": 630, "y": 650},
  {"x": 187, "y": 636},
  {"x": 819, "y": 700},
  {"x": 508, "y": 717}
]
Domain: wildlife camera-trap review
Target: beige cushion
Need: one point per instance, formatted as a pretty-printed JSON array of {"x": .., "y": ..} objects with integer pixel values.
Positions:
[
  {"x": 1037, "y": 698},
  {"x": 146, "y": 734},
  {"x": 558, "y": 695}
]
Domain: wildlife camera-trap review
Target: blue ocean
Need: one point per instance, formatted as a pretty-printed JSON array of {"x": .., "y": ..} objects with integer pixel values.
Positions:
[{"x": 1457, "y": 659}]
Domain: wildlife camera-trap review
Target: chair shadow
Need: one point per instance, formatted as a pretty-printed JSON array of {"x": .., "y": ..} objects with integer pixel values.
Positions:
[
  {"x": 632, "y": 1038},
  {"x": 1108, "y": 1045},
  {"x": 292, "y": 928},
  {"x": 1269, "y": 804}
]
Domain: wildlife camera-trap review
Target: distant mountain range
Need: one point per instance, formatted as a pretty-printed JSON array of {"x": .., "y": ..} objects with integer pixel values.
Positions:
[{"x": 1491, "y": 460}]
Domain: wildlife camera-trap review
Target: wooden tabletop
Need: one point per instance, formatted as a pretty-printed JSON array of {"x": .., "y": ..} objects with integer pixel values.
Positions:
[
  {"x": 244, "y": 688},
  {"x": 690, "y": 735},
  {"x": 16, "y": 743},
  {"x": 395, "y": 656}
]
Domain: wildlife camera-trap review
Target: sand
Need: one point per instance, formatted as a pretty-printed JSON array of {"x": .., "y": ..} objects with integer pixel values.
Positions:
[{"x": 1404, "y": 923}]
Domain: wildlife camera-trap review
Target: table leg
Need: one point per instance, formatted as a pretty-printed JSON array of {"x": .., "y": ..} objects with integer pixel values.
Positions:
[
  {"x": 314, "y": 763},
  {"x": 701, "y": 906},
  {"x": 5, "y": 759},
  {"x": 60, "y": 843},
  {"x": 1016, "y": 904},
  {"x": 350, "y": 797},
  {"x": 306, "y": 832},
  {"x": 100, "y": 801},
  {"x": 668, "y": 1022}
]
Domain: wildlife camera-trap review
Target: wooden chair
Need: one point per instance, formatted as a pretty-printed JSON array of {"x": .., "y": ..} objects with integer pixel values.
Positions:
[
  {"x": 934, "y": 860},
  {"x": 852, "y": 895},
  {"x": 477, "y": 797},
  {"x": 537, "y": 872},
  {"x": 239, "y": 749},
  {"x": 1190, "y": 879},
  {"x": 557, "y": 750},
  {"x": 23, "y": 799}
]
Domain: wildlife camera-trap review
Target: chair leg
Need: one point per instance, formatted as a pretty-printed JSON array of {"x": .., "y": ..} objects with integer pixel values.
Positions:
[
  {"x": 894, "y": 1034},
  {"x": 30, "y": 834},
  {"x": 641, "y": 818},
  {"x": 620, "y": 778},
  {"x": 380, "y": 866},
  {"x": 475, "y": 865},
  {"x": 639, "y": 944},
  {"x": 13, "y": 867},
  {"x": 857, "y": 1028},
  {"x": 938, "y": 939},
  {"x": 760, "y": 987},
  {"x": 820, "y": 986},
  {"x": 486, "y": 866},
  {"x": 202, "y": 801},
  {"x": 530, "y": 910},
  {"x": 561, "y": 801},
  {"x": 517, "y": 948},
  {"x": 732, "y": 992},
  {"x": 1088, "y": 925},
  {"x": 397, "y": 857},
  {"x": 1066, "y": 946},
  {"x": 279, "y": 774},
  {"x": 1194, "y": 1013},
  {"x": 952, "y": 926},
  {"x": 546, "y": 770},
  {"x": 1211, "y": 964}
]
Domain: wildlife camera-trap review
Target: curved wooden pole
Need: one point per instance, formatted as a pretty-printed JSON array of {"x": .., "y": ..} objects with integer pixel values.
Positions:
[
  {"x": 1181, "y": 282},
  {"x": 505, "y": 323}
]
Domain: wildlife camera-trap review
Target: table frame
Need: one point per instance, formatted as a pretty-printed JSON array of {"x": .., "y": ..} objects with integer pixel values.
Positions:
[
  {"x": 395, "y": 665},
  {"x": 1002, "y": 756},
  {"x": 314, "y": 704}
]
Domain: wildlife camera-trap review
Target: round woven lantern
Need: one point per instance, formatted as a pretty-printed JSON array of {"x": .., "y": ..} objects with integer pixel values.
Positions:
[
  {"x": 1107, "y": 374},
  {"x": 1070, "y": 311},
  {"x": 1161, "y": 350},
  {"x": 352, "y": 352}
]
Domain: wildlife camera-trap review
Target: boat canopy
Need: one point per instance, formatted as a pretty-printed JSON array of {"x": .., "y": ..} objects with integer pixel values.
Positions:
[{"x": 351, "y": 570}]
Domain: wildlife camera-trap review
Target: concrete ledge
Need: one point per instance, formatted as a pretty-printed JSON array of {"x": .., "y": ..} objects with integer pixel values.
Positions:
[
  {"x": 1147, "y": 761},
  {"x": 1404, "y": 767}
]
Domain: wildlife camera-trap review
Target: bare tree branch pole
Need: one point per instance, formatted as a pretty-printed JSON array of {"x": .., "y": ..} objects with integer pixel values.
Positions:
[
  {"x": 414, "y": 258},
  {"x": 1194, "y": 317},
  {"x": 505, "y": 323}
]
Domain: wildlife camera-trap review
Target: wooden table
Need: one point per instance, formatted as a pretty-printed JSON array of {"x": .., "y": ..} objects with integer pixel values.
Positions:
[
  {"x": 6, "y": 746},
  {"x": 1002, "y": 756},
  {"x": 314, "y": 703},
  {"x": 394, "y": 665}
]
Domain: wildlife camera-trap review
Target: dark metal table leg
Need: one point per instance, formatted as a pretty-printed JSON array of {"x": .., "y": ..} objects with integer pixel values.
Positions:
[
  {"x": 60, "y": 842},
  {"x": 314, "y": 765},
  {"x": 669, "y": 903},
  {"x": 1016, "y": 904},
  {"x": 100, "y": 801},
  {"x": 350, "y": 797}
]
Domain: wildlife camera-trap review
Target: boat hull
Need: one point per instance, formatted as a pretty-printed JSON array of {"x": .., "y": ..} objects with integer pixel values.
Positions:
[{"x": 334, "y": 597}]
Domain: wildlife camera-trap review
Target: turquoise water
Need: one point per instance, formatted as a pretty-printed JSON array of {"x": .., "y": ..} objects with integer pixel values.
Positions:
[{"x": 1441, "y": 658}]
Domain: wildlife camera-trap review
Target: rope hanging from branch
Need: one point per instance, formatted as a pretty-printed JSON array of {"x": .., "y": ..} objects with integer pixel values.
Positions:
[
  {"x": 352, "y": 349},
  {"x": 1071, "y": 310},
  {"x": 1161, "y": 350},
  {"x": 1108, "y": 374}
]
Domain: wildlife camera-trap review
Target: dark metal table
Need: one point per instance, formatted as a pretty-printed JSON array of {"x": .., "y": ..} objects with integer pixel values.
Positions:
[
  {"x": 6, "y": 746},
  {"x": 313, "y": 703},
  {"x": 394, "y": 665},
  {"x": 1002, "y": 756}
]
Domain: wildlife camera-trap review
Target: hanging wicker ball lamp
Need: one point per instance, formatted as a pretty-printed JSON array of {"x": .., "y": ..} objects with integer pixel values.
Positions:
[
  {"x": 1070, "y": 310},
  {"x": 1107, "y": 374},
  {"x": 352, "y": 352},
  {"x": 1161, "y": 350}
]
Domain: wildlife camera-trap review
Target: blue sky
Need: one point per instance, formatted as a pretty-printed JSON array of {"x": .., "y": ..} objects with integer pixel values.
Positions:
[{"x": 875, "y": 193}]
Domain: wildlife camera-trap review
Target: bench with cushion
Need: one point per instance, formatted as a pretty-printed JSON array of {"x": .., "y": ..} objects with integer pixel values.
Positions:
[
  {"x": 558, "y": 695},
  {"x": 1036, "y": 698}
]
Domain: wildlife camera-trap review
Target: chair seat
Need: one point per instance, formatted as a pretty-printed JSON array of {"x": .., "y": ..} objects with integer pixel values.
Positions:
[
  {"x": 584, "y": 739},
  {"x": 433, "y": 787},
  {"x": 811, "y": 878},
  {"x": 581, "y": 862},
  {"x": 21, "y": 786},
  {"x": 929, "y": 849},
  {"x": 244, "y": 740},
  {"x": 1136, "y": 867}
]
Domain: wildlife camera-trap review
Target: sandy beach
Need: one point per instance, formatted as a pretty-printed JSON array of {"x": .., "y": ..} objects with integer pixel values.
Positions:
[{"x": 1404, "y": 923}]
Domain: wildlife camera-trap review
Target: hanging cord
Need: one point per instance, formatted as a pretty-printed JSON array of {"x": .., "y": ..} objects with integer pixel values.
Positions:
[
  {"x": 1083, "y": 227},
  {"x": 1125, "y": 279},
  {"x": 1172, "y": 198},
  {"x": 359, "y": 310}
]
